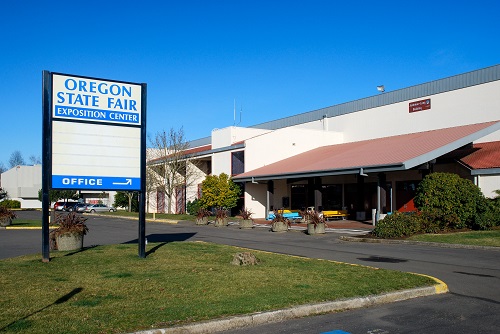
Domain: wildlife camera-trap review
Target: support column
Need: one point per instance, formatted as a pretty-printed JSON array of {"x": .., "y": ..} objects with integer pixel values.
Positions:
[{"x": 269, "y": 196}]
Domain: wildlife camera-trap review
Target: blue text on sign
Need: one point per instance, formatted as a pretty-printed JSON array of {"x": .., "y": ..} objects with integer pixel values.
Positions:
[{"x": 96, "y": 114}]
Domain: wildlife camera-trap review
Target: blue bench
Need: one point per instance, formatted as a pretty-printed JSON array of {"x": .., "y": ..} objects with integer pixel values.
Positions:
[{"x": 288, "y": 215}]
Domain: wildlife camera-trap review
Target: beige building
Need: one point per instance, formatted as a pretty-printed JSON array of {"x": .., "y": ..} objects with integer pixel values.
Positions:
[{"x": 360, "y": 155}]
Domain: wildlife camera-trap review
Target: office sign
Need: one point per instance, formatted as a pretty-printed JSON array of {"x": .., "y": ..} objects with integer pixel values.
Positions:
[
  {"x": 419, "y": 105},
  {"x": 97, "y": 129}
]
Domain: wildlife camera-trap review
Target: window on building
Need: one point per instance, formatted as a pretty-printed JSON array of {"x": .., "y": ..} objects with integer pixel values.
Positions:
[{"x": 237, "y": 162}]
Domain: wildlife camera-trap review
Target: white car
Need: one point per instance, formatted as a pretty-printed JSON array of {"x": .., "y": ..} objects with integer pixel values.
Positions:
[{"x": 92, "y": 208}]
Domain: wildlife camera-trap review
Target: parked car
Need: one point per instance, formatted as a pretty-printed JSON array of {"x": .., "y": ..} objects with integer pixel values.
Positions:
[
  {"x": 80, "y": 207},
  {"x": 99, "y": 208},
  {"x": 63, "y": 205},
  {"x": 59, "y": 205},
  {"x": 69, "y": 206}
]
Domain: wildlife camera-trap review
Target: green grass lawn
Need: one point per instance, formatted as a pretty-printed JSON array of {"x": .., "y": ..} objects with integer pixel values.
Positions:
[
  {"x": 26, "y": 222},
  {"x": 109, "y": 289},
  {"x": 477, "y": 238}
]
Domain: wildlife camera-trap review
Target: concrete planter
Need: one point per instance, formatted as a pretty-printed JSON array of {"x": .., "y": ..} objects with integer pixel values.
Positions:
[
  {"x": 5, "y": 221},
  {"x": 220, "y": 222},
  {"x": 246, "y": 223},
  {"x": 69, "y": 241},
  {"x": 279, "y": 227},
  {"x": 318, "y": 229},
  {"x": 202, "y": 221}
]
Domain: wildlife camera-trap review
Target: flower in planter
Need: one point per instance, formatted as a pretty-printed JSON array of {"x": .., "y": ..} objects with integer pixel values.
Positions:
[
  {"x": 6, "y": 216},
  {"x": 70, "y": 226},
  {"x": 279, "y": 223},
  {"x": 220, "y": 217},
  {"x": 313, "y": 217},
  {"x": 247, "y": 221},
  {"x": 246, "y": 214},
  {"x": 202, "y": 216}
]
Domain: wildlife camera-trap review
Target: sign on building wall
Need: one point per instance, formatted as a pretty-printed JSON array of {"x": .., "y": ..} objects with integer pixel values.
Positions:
[
  {"x": 419, "y": 105},
  {"x": 96, "y": 133}
]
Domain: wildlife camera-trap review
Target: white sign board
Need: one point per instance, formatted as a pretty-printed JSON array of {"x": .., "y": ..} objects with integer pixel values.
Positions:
[{"x": 96, "y": 134}]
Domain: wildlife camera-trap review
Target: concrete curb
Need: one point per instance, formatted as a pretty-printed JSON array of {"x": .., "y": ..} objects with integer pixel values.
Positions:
[
  {"x": 300, "y": 311},
  {"x": 410, "y": 242},
  {"x": 149, "y": 220},
  {"x": 26, "y": 228}
]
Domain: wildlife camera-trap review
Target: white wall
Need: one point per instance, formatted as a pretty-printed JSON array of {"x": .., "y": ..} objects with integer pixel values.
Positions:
[
  {"x": 22, "y": 184},
  {"x": 23, "y": 181},
  {"x": 221, "y": 163},
  {"x": 232, "y": 134},
  {"x": 197, "y": 175},
  {"x": 488, "y": 184},
  {"x": 255, "y": 199},
  {"x": 283, "y": 143},
  {"x": 476, "y": 104}
]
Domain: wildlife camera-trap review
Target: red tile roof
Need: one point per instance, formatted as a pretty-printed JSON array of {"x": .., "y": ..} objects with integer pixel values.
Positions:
[
  {"x": 485, "y": 155},
  {"x": 396, "y": 152}
]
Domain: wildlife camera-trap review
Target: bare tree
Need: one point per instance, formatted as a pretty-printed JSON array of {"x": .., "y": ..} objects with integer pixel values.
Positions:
[
  {"x": 16, "y": 159},
  {"x": 2, "y": 167},
  {"x": 170, "y": 164},
  {"x": 3, "y": 194},
  {"x": 34, "y": 160},
  {"x": 151, "y": 183}
]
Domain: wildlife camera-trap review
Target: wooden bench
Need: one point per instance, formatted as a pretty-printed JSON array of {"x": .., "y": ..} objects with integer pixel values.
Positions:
[{"x": 340, "y": 214}]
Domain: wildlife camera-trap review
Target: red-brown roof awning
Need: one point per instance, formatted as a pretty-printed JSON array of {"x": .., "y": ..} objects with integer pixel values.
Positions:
[
  {"x": 485, "y": 156},
  {"x": 376, "y": 155}
]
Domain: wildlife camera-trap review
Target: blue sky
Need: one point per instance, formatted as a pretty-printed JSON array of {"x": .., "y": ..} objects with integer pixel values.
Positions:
[{"x": 275, "y": 58}]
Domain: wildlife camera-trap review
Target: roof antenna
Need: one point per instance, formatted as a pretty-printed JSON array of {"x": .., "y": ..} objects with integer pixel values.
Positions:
[
  {"x": 241, "y": 111},
  {"x": 234, "y": 113}
]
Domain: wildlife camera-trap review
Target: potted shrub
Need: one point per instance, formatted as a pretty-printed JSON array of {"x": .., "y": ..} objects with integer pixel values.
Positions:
[
  {"x": 247, "y": 221},
  {"x": 279, "y": 223},
  {"x": 6, "y": 216},
  {"x": 70, "y": 231},
  {"x": 220, "y": 217},
  {"x": 315, "y": 222},
  {"x": 202, "y": 216}
]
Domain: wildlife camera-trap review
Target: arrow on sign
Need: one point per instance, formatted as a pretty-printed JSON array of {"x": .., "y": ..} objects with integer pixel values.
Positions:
[{"x": 129, "y": 182}]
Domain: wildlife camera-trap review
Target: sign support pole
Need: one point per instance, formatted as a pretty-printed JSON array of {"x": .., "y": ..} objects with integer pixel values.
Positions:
[
  {"x": 46, "y": 170},
  {"x": 142, "y": 194},
  {"x": 142, "y": 225}
]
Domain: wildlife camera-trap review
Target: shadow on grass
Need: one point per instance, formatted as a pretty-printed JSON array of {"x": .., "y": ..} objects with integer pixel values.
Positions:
[
  {"x": 81, "y": 250},
  {"x": 163, "y": 239},
  {"x": 23, "y": 323}
]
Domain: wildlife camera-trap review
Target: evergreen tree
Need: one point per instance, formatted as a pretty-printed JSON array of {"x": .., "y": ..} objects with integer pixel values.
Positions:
[{"x": 219, "y": 192}]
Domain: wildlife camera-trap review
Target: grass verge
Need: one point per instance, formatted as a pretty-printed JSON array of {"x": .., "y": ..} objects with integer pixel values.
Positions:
[
  {"x": 476, "y": 238},
  {"x": 26, "y": 222},
  {"x": 109, "y": 289}
]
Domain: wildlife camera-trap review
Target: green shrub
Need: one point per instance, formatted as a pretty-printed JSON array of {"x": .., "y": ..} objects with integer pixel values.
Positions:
[
  {"x": 435, "y": 220},
  {"x": 10, "y": 204},
  {"x": 193, "y": 207},
  {"x": 452, "y": 195},
  {"x": 398, "y": 225},
  {"x": 488, "y": 214}
]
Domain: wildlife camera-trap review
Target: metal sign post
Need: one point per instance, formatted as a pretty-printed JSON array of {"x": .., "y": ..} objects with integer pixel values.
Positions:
[{"x": 94, "y": 138}]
